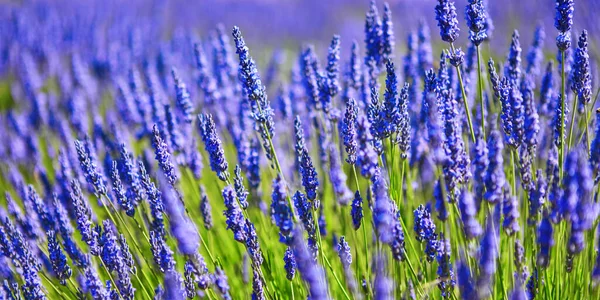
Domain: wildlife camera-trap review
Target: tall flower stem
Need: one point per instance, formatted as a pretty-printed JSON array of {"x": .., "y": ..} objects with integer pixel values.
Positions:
[
  {"x": 464, "y": 96},
  {"x": 513, "y": 157},
  {"x": 364, "y": 230},
  {"x": 562, "y": 113},
  {"x": 324, "y": 257},
  {"x": 574, "y": 107},
  {"x": 587, "y": 119},
  {"x": 480, "y": 80},
  {"x": 277, "y": 164}
]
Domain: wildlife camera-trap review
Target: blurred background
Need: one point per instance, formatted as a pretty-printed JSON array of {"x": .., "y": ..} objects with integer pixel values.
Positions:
[
  {"x": 272, "y": 23},
  {"x": 112, "y": 34}
]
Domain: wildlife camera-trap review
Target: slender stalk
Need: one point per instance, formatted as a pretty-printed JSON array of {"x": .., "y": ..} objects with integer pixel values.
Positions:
[
  {"x": 364, "y": 230},
  {"x": 572, "y": 122},
  {"x": 562, "y": 113},
  {"x": 480, "y": 80},
  {"x": 587, "y": 133},
  {"x": 464, "y": 97}
]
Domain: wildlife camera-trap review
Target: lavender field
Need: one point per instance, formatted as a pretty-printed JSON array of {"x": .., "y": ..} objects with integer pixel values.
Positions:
[{"x": 288, "y": 149}]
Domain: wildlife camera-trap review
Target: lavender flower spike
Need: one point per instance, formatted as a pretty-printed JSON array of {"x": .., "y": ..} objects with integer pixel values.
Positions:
[
  {"x": 163, "y": 156},
  {"x": 183, "y": 97},
  {"x": 212, "y": 144},
  {"x": 445, "y": 14},
  {"x": 311, "y": 272}
]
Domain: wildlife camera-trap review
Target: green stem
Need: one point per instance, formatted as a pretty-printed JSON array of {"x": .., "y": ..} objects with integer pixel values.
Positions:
[
  {"x": 479, "y": 79},
  {"x": 464, "y": 97},
  {"x": 574, "y": 107},
  {"x": 587, "y": 133},
  {"x": 514, "y": 171},
  {"x": 562, "y": 113}
]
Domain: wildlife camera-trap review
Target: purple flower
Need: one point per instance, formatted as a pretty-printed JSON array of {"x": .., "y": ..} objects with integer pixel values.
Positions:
[
  {"x": 537, "y": 198},
  {"x": 338, "y": 177},
  {"x": 205, "y": 209},
  {"x": 535, "y": 54},
  {"x": 240, "y": 190},
  {"x": 455, "y": 168},
  {"x": 547, "y": 93},
  {"x": 83, "y": 218},
  {"x": 212, "y": 145},
  {"x": 280, "y": 210},
  {"x": 348, "y": 130},
  {"x": 581, "y": 79},
  {"x": 465, "y": 281},
  {"x": 374, "y": 35},
  {"x": 494, "y": 178},
  {"x": 366, "y": 156},
  {"x": 383, "y": 286},
  {"x": 234, "y": 215},
  {"x": 163, "y": 157},
  {"x": 387, "y": 39},
  {"x": 119, "y": 191},
  {"x": 382, "y": 213},
  {"x": 173, "y": 285},
  {"x": 357, "y": 210},
  {"x": 468, "y": 212},
  {"x": 175, "y": 138},
  {"x": 488, "y": 253},
  {"x": 310, "y": 181},
  {"x": 182, "y": 97},
  {"x": 425, "y": 230},
  {"x": 88, "y": 163},
  {"x": 424, "y": 56},
  {"x": 59, "y": 261},
  {"x": 510, "y": 209},
  {"x": 563, "y": 21},
  {"x": 93, "y": 284},
  {"x": 290, "y": 263},
  {"x": 545, "y": 241},
  {"x": 477, "y": 21},
  {"x": 312, "y": 273},
  {"x": 512, "y": 69},
  {"x": 205, "y": 81},
  {"x": 445, "y": 14},
  {"x": 445, "y": 271}
]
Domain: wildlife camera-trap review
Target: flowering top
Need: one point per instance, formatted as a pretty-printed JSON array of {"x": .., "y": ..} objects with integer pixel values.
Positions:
[
  {"x": 563, "y": 21},
  {"x": 357, "y": 210},
  {"x": 163, "y": 156},
  {"x": 280, "y": 210},
  {"x": 382, "y": 212},
  {"x": 581, "y": 82},
  {"x": 89, "y": 166},
  {"x": 248, "y": 72},
  {"x": 494, "y": 178},
  {"x": 234, "y": 215},
  {"x": 367, "y": 157},
  {"x": 212, "y": 144},
  {"x": 512, "y": 69},
  {"x": 331, "y": 85},
  {"x": 373, "y": 35},
  {"x": 476, "y": 20},
  {"x": 355, "y": 69},
  {"x": 240, "y": 189},
  {"x": 349, "y": 130},
  {"x": 535, "y": 54},
  {"x": 387, "y": 42},
  {"x": 183, "y": 97},
  {"x": 445, "y": 14}
]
